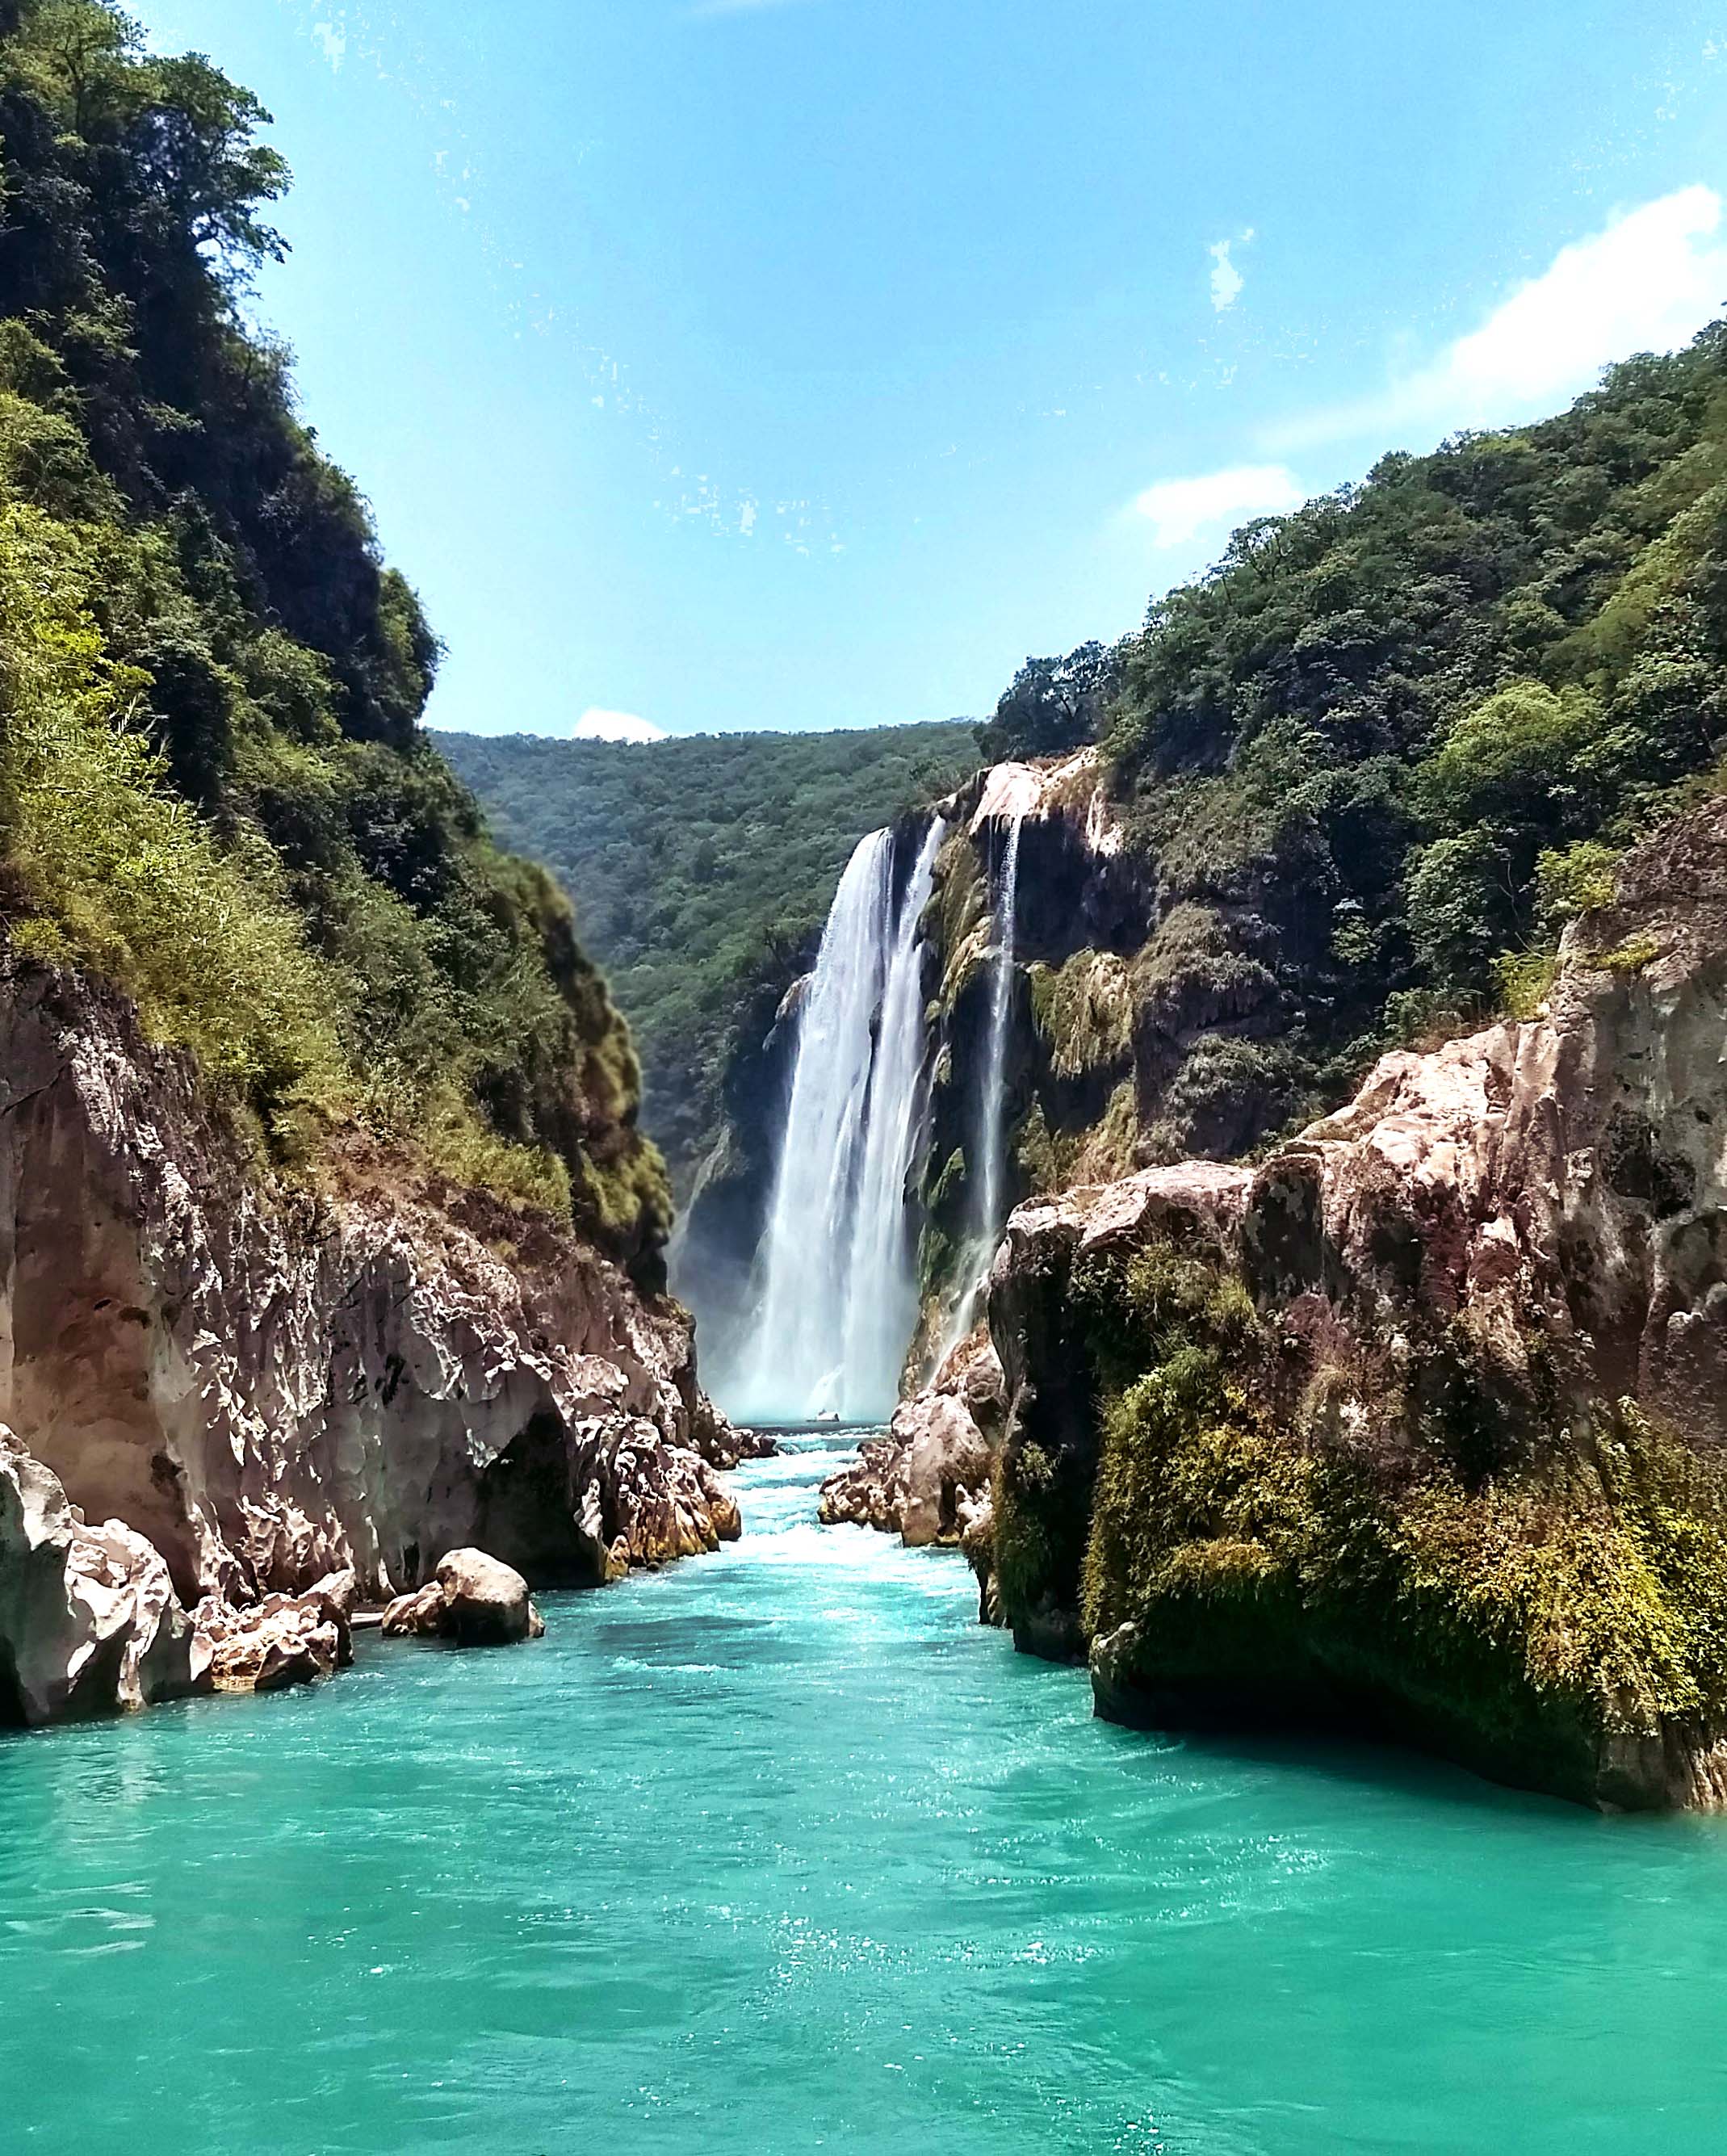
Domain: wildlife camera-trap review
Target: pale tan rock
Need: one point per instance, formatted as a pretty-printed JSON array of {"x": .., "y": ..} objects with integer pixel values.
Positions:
[
  {"x": 88, "y": 1619},
  {"x": 420, "y": 1614},
  {"x": 927, "y": 1479},
  {"x": 270, "y": 1387},
  {"x": 485, "y": 1603},
  {"x": 266, "y": 1646}
]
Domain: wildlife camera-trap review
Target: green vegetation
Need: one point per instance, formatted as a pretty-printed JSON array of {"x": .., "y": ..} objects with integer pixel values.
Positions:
[
  {"x": 212, "y": 788},
  {"x": 699, "y": 866},
  {"x": 1375, "y": 761},
  {"x": 1408, "y": 729},
  {"x": 1526, "y": 1592},
  {"x": 1050, "y": 706}
]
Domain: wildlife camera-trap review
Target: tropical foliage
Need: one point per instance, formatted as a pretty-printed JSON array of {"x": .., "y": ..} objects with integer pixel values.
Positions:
[
  {"x": 1407, "y": 726},
  {"x": 214, "y": 790}
]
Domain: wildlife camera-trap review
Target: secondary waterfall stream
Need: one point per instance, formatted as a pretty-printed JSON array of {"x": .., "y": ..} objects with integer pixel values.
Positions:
[
  {"x": 991, "y": 1141},
  {"x": 838, "y": 1298}
]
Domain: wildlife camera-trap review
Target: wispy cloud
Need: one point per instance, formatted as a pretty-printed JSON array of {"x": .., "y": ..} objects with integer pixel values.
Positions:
[
  {"x": 332, "y": 40},
  {"x": 596, "y": 724},
  {"x": 1179, "y": 509},
  {"x": 1647, "y": 281},
  {"x": 1227, "y": 279}
]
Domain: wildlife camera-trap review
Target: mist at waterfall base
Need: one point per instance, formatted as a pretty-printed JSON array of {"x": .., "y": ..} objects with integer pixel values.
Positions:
[{"x": 838, "y": 1296}]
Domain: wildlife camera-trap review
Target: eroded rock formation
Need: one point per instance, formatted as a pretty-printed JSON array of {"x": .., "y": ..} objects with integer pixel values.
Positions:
[
  {"x": 258, "y": 1385},
  {"x": 1421, "y": 1421},
  {"x": 927, "y": 1479}
]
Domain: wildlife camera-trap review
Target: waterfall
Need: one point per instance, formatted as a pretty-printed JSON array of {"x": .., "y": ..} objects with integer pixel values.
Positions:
[
  {"x": 990, "y": 1214},
  {"x": 993, "y": 1176},
  {"x": 881, "y": 1295},
  {"x": 837, "y": 1299}
]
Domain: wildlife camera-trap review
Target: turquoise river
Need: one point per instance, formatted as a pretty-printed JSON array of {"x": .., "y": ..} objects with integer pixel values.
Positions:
[{"x": 779, "y": 1851}]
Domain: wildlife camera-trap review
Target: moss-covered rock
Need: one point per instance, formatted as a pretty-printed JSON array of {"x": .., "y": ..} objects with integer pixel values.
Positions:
[{"x": 1420, "y": 1425}]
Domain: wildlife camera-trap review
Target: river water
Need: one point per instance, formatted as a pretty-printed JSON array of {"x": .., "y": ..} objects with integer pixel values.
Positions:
[{"x": 778, "y": 1851}]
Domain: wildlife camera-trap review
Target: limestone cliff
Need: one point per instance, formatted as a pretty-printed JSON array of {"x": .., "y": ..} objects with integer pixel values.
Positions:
[
  {"x": 1420, "y": 1421},
  {"x": 927, "y": 1479},
  {"x": 259, "y": 1383}
]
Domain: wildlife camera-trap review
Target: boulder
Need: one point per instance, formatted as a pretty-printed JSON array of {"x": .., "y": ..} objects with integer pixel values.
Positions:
[
  {"x": 722, "y": 1444},
  {"x": 267, "y": 1646},
  {"x": 416, "y": 1616},
  {"x": 927, "y": 1479},
  {"x": 472, "y": 1599},
  {"x": 485, "y": 1603}
]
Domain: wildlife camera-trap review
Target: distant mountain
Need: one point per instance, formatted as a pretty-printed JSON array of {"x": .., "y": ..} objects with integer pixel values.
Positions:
[{"x": 694, "y": 864}]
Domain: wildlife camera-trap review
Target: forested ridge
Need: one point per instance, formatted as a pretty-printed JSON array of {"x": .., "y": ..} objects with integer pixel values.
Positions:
[
  {"x": 213, "y": 785},
  {"x": 1375, "y": 761},
  {"x": 701, "y": 868}
]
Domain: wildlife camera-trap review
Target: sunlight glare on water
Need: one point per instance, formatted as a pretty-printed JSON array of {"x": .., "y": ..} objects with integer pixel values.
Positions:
[{"x": 779, "y": 1851}]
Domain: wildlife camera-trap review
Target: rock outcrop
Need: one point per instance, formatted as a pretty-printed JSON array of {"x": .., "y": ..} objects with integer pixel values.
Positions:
[
  {"x": 88, "y": 1619},
  {"x": 1420, "y": 1422},
  {"x": 927, "y": 1479},
  {"x": 284, "y": 1639},
  {"x": 265, "y": 1384},
  {"x": 722, "y": 1443},
  {"x": 474, "y": 1600}
]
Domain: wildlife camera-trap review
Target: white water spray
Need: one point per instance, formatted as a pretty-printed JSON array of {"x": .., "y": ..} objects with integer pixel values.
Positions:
[{"x": 837, "y": 1299}]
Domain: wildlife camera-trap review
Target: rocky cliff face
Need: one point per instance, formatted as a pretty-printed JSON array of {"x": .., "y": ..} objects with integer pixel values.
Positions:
[
  {"x": 258, "y": 1385},
  {"x": 1419, "y": 1422},
  {"x": 928, "y": 1479}
]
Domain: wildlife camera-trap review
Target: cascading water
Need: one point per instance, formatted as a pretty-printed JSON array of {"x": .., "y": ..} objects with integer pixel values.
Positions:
[
  {"x": 994, "y": 1178},
  {"x": 837, "y": 1301},
  {"x": 881, "y": 1295},
  {"x": 990, "y": 1216}
]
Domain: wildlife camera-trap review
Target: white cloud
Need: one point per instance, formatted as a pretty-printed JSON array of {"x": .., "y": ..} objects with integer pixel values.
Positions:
[
  {"x": 1647, "y": 281},
  {"x": 1226, "y": 280},
  {"x": 332, "y": 42},
  {"x": 597, "y": 725},
  {"x": 1179, "y": 509}
]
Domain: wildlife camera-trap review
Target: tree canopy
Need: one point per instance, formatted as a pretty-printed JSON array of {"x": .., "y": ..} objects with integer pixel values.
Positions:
[
  {"x": 699, "y": 866},
  {"x": 213, "y": 786}
]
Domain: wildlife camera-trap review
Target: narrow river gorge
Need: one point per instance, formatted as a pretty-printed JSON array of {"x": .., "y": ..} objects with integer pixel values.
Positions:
[{"x": 779, "y": 1848}]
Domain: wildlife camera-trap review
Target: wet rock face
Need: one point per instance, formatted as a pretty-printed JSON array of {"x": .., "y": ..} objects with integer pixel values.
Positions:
[
  {"x": 1489, "y": 1296},
  {"x": 269, "y": 1386},
  {"x": 928, "y": 1479}
]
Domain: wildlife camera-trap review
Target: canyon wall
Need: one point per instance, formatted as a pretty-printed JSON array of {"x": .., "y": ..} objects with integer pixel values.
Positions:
[
  {"x": 1417, "y": 1423},
  {"x": 268, "y": 1380}
]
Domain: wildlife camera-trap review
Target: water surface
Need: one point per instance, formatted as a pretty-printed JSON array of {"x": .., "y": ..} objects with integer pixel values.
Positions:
[{"x": 779, "y": 1851}]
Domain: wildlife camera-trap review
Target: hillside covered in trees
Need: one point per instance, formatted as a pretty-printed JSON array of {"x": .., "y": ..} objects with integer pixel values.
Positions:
[
  {"x": 1373, "y": 762},
  {"x": 701, "y": 868},
  {"x": 214, "y": 788}
]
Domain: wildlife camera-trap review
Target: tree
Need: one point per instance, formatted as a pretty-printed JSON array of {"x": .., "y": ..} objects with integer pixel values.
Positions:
[{"x": 1052, "y": 705}]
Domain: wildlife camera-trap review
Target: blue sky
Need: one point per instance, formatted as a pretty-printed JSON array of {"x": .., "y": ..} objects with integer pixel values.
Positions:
[{"x": 809, "y": 362}]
